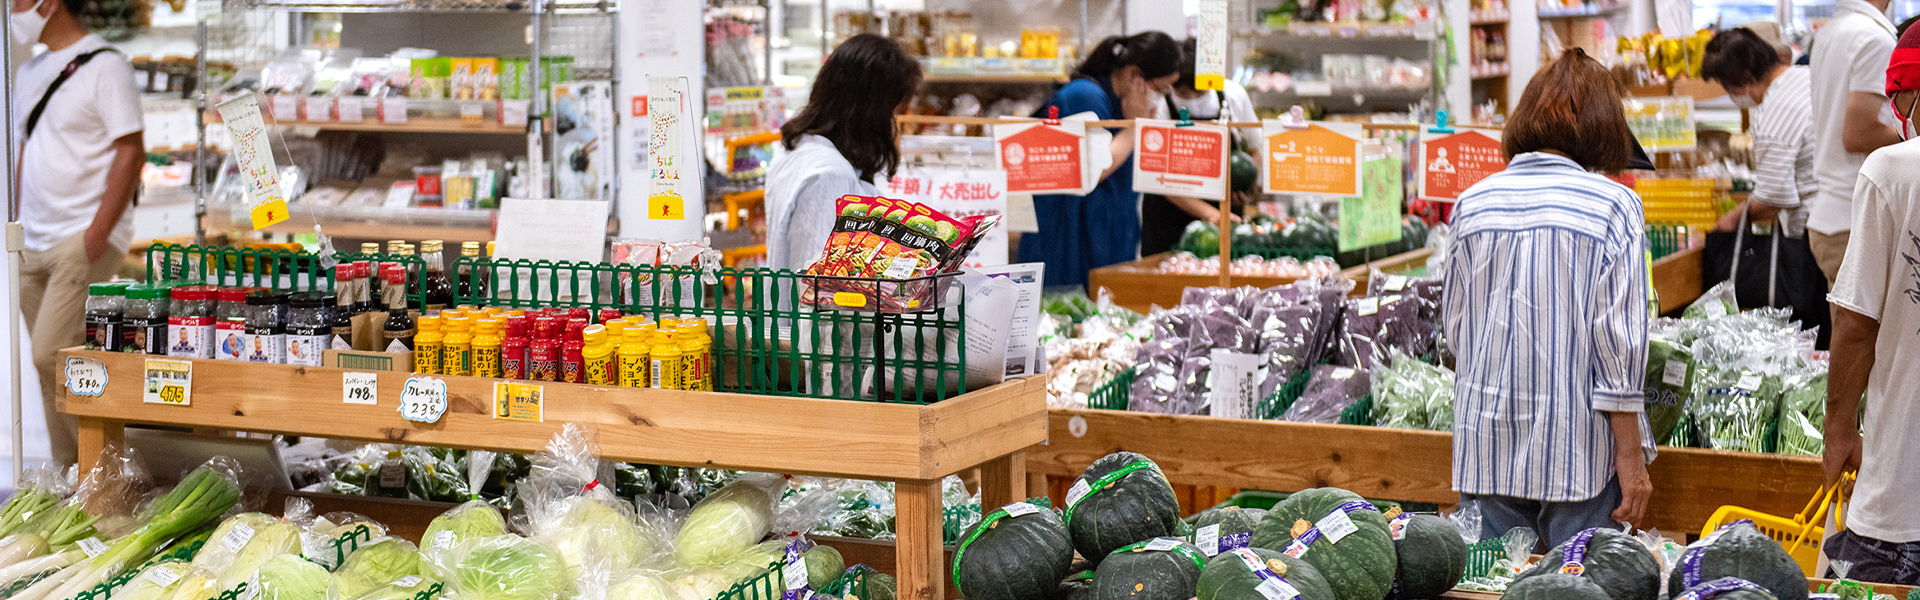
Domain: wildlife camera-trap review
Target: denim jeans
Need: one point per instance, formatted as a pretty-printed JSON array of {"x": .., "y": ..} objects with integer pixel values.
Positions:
[{"x": 1554, "y": 522}]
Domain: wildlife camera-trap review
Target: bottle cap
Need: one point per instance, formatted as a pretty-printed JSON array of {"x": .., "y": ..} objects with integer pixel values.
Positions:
[
  {"x": 456, "y": 323},
  {"x": 574, "y": 327},
  {"x": 394, "y": 273},
  {"x": 543, "y": 328},
  {"x": 516, "y": 326},
  {"x": 487, "y": 325},
  {"x": 343, "y": 271},
  {"x": 428, "y": 323},
  {"x": 594, "y": 335},
  {"x": 109, "y": 288}
]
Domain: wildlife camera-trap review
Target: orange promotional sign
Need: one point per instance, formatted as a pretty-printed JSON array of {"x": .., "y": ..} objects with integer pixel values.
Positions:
[
  {"x": 1180, "y": 161},
  {"x": 1041, "y": 158},
  {"x": 1452, "y": 162},
  {"x": 1320, "y": 158}
]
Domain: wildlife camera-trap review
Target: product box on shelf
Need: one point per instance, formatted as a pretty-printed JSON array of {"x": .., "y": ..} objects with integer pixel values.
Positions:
[{"x": 391, "y": 362}]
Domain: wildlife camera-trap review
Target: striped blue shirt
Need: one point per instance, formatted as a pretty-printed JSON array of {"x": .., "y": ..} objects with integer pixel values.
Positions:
[{"x": 1546, "y": 308}]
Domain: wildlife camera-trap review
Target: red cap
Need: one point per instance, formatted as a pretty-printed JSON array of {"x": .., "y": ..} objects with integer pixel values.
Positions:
[
  {"x": 516, "y": 326},
  {"x": 191, "y": 292},
  {"x": 543, "y": 328},
  {"x": 579, "y": 313},
  {"x": 362, "y": 269},
  {"x": 609, "y": 314},
  {"x": 394, "y": 273},
  {"x": 343, "y": 271},
  {"x": 234, "y": 294},
  {"x": 1903, "y": 68},
  {"x": 574, "y": 327}
]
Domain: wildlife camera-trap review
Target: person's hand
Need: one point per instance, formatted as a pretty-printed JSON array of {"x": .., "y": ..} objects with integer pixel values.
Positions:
[
  {"x": 1635, "y": 488},
  {"x": 1842, "y": 453},
  {"x": 1136, "y": 96},
  {"x": 96, "y": 245},
  {"x": 1729, "y": 221}
]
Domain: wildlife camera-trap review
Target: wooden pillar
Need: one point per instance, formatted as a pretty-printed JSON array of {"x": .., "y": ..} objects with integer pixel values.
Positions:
[
  {"x": 96, "y": 434},
  {"x": 1003, "y": 481},
  {"x": 920, "y": 563}
]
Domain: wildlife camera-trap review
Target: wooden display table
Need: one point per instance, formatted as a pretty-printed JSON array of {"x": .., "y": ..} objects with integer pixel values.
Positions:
[
  {"x": 1677, "y": 278},
  {"x": 914, "y": 446},
  {"x": 1397, "y": 464},
  {"x": 1139, "y": 285}
]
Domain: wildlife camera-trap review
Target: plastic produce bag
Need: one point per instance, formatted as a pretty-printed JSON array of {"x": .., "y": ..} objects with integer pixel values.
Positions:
[
  {"x": 1669, "y": 380},
  {"x": 1410, "y": 394},
  {"x": 379, "y": 563},
  {"x": 244, "y": 542},
  {"x": 473, "y": 518},
  {"x": 1718, "y": 301},
  {"x": 728, "y": 522},
  {"x": 507, "y": 567},
  {"x": 331, "y": 538},
  {"x": 436, "y": 474},
  {"x": 565, "y": 507},
  {"x": 1735, "y": 408},
  {"x": 1332, "y": 389},
  {"x": 290, "y": 577}
]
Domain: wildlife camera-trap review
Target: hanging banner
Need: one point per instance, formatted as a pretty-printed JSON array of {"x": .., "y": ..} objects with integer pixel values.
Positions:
[
  {"x": 666, "y": 176},
  {"x": 1322, "y": 158},
  {"x": 959, "y": 193},
  {"x": 1180, "y": 161},
  {"x": 265, "y": 201},
  {"x": 1044, "y": 159},
  {"x": 1210, "y": 66},
  {"x": 1373, "y": 218},
  {"x": 1452, "y": 162}
]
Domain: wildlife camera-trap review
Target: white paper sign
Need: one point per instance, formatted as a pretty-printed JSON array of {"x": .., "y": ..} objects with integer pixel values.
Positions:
[
  {"x": 424, "y": 399},
  {"x": 1235, "y": 382},
  {"x": 959, "y": 193},
  {"x": 1180, "y": 161},
  {"x": 546, "y": 229},
  {"x": 319, "y": 108},
  {"x": 1272, "y": 588},
  {"x": 286, "y": 107},
  {"x": 1079, "y": 490},
  {"x": 1210, "y": 67},
  {"x": 393, "y": 110},
  {"x": 1019, "y": 509},
  {"x": 93, "y": 547},
  {"x": 795, "y": 573},
  {"x": 1023, "y": 330},
  {"x": 669, "y": 190},
  {"x": 1162, "y": 544},
  {"x": 1749, "y": 381},
  {"x": 349, "y": 108},
  {"x": 161, "y": 575},
  {"x": 86, "y": 376},
  {"x": 360, "y": 388},
  {"x": 237, "y": 537},
  {"x": 513, "y": 113},
  {"x": 266, "y": 201}
]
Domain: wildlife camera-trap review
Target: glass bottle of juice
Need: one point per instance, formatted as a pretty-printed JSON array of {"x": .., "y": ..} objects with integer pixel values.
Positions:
[
  {"x": 486, "y": 347},
  {"x": 457, "y": 347},
  {"x": 427, "y": 346}
]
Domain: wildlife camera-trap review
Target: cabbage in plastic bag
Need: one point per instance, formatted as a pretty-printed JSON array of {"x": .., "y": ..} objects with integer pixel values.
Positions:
[
  {"x": 640, "y": 585},
  {"x": 244, "y": 542},
  {"x": 156, "y": 582},
  {"x": 507, "y": 567},
  {"x": 378, "y": 564},
  {"x": 724, "y": 525},
  {"x": 289, "y": 577}
]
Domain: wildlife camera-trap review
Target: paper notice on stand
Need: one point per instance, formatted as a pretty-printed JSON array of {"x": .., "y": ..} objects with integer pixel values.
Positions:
[
  {"x": 266, "y": 203},
  {"x": 543, "y": 229},
  {"x": 1044, "y": 159},
  {"x": 1235, "y": 384},
  {"x": 959, "y": 193},
  {"x": 990, "y": 302},
  {"x": 1177, "y": 160},
  {"x": 1023, "y": 331}
]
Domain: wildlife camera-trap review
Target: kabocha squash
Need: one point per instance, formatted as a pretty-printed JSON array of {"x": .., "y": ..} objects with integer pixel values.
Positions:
[
  {"x": 1726, "y": 588},
  {"x": 1145, "y": 571},
  {"x": 1740, "y": 550},
  {"x": 1120, "y": 499},
  {"x": 1359, "y": 565},
  {"x": 1016, "y": 552},
  {"x": 1614, "y": 561},
  {"x": 1078, "y": 586},
  {"x": 1432, "y": 555},
  {"x": 1231, "y": 576},
  {"x": 1555, "y": 586},
  {"x": 1232, "y": 527}
]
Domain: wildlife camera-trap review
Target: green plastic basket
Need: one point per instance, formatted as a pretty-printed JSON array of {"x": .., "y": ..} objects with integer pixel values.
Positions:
[
  {"x": 1114, "y": 394},
  {"x": 1283, "y": 398},
  {"x": 770, "y": 585},
  {"x": 271, "y": 268},
  {"x": 1483, "y": 556},
  {"x": 1360, "y": 413},
  {"x": 1665, "y": 238}
]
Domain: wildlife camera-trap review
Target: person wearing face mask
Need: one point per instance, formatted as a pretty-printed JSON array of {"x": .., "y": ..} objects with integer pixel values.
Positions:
[
  {"x": 1876, "y": 350},
  {"x": 1778, "y": 99},
  {"x": 1122, "y": 78},
  {"x": 1163, "y": 219},
  {"x": 78, "y": 112},
  {"x": 1850, "y": 117}
]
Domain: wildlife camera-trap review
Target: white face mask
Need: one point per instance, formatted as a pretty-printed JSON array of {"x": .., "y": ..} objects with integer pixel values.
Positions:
[
  {"x": 27, "y": 25},
  {"x": 1744, "y": 101}
]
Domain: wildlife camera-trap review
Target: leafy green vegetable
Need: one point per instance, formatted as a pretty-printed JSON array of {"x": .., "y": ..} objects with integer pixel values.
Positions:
[
  {"x": 378, "y": 564},
  {"x": 200, "y": 498},
  {"x": 396, "y": 591},
  {"x": 245, "y": 542},
  {"x": 289, "y": 577},
  {"x": 1410, "y": 394},
  {"x": 507, "y": 567},
  {"x": 1668, "y": 385},
  {"x": 824, "y": 564},
  {"x": 641, "y": 586},
  {"x": 589, "y": 530},
  {"x": 475, "y": 518},
  {"x": 724, "y": 525}
]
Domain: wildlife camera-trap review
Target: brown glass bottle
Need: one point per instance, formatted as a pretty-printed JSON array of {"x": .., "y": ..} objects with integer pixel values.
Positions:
[{"x": 399, "y": 328}]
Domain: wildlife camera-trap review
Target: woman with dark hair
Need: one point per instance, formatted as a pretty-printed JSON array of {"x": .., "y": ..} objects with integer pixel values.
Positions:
[
  {"x": 1121, "y": 78},
  {"x": 837, "y": 144},
  {"x": 1779, "y": 99},
  {"x": 1546, "y": 305}
]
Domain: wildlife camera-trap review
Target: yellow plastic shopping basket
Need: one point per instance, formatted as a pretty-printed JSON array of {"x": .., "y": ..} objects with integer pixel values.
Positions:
[{"x": 1800, "y": 535}]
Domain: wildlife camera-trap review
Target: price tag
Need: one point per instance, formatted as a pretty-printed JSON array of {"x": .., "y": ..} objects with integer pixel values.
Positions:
[
  {"x": 1344, "y": 373},
  {"x": 410, "y": 581},
  {"x": 1676, "y": 373},
  {"x": 319, "y": 108},
  {"x": 1368, "y": 306},
  {"x": 513, "y": 113},
  {"x": 471, "y": 113},
  {"x": 1749, "y": 381},
  {"x": 393, "y": 110},
  {"x": 393, "y": 474},
  {"x": 1079, "y": 490},
  {"x": 902, "y": 266},
  {"x": 238, "y": 537},
  {"x": 285, "y": 107},
  {"x": 250, "y": 589},
  {"x": 1396, "y": 283},
  {"x": 424, "y": 399},
  {"x": 518, "y": 402},
  {"x": 1162, "y": 544},
  {"x": 796, "y": 573},
  {"x": 86, "y": 376},
  {"x": 93, "y": 547},
  {"x": 360, "y": 388},
  {"x": 1019, "y": 509},
  {"x": 1208, "y": 539},
  {"x": 441, "y": 539},
  {"x": 169, "y": 382},
  {"x": 1273, "y": 588},
  {"x": 161, "y": 575},
  {"x": 348, "y": 109},
  {"x": 1336, "y": 525}
]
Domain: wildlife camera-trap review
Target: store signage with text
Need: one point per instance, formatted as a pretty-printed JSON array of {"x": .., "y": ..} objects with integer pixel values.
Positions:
[
  {"x": 1044, "y": 159},
  {"x": 1321, "y": 158},
  {"x": 1180, "y": 161},
  {"x": 959, "y": 193},
  {"x": 1452, "y": 162}
]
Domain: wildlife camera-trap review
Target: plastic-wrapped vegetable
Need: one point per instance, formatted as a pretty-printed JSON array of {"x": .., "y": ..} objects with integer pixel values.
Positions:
[
  {"x": 726, "y": 523},
  {"x": 1332, "y": 389},
  {"x": 1410, "y": 394},
  {"x": 290, "y": 577},
  {"x": 196, "y": 584},
  {"x": 331, "y": 538},
  {"x": 241, "y": 544},
  {"x": 1718, "y": 301},
  {"x": 405, "y": 588},
  {"x": 436, "y": 474},
  {"x": 378, "y": 564},
  {"x": 567, "y": 509},
  {"x": 640, "y": 585},
  {"x": 1734, "y": 409},
  {"x": 1669, "y": 380},
  {"x": 507, "y": 567},
  {"x": 473, "y": 518},
  {"x": 156, "y": 582}
]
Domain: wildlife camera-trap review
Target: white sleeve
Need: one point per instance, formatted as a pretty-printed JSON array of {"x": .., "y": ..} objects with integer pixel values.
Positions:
[
  {"x": 814, "y": 212},
  {"x": 116, "y": 99},
  {"x": 1861, "y": 285},
  {"x": 1868, "y": 70}
]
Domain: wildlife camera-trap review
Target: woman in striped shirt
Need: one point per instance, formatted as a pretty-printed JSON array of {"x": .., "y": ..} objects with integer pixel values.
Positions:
[{"x": 1546, "y": 305}]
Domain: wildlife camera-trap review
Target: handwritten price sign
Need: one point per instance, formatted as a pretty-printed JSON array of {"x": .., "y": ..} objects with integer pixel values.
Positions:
[
  {"x": 424, "y": 399},
  {"x": 360, "y": 388},
  {"x": 86, "y": 376}
]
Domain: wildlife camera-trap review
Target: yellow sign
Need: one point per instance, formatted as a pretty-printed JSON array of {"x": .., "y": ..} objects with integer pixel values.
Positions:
[
  {"x": 169, "y": 382},
  {"x": 666, "y": 207},
  {"x": 269, "y": 212},
  {"x": 518, "y": 402}
]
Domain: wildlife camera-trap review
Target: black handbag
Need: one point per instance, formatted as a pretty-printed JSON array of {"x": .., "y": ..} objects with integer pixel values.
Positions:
[{"x": 1770, "y": 270}]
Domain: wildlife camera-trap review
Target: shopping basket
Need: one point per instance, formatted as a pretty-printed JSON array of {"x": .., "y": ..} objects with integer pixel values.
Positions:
[{"x": 1800, "y": 535}]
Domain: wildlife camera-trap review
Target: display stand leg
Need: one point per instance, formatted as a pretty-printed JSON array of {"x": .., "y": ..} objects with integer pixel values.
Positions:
[
  {"x": 919, "y": 558},
  {"x": 1226, "y": 237},
  {"x": 1003, "y": 481},
  {"x": 96, "y": 434}
]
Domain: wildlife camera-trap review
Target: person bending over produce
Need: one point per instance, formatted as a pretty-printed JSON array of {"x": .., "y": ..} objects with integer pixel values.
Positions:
[{"x": 1546, "y": 304}]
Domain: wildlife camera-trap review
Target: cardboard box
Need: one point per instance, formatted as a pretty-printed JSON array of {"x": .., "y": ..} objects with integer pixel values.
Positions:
[{"x": 368, "y": 361}]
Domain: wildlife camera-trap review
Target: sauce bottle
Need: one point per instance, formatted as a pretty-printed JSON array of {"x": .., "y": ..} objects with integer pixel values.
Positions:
[
  {"x": 364, "y": 287},
  {"x": 428, "y": 345},
  {"x": 486, "y": 347},
  {"x": 436, "y": 287},
  {"x": 513, "y": 349},
  {"x": 397, "y": 334},
  {"x": 634, "y": 361},
  {"x": 457, "y": 352},
  {"x": 570, "y": 349},
  {"x": 699, "y": 359},
  {"x": 596, "y": 356},
  {"x": 543, "y": 351},
  {"x": 666, "y": 362},
  {"x": 608, "y": 314},
  {"x": 344, "y": 305}
]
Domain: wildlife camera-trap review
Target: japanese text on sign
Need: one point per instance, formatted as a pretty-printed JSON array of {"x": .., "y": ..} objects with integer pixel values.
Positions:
[
  {"x": 518, "y": 402},
  {"x": 960, "y": 193},
  {"x": 1452, "y": 162},
  {"x": 1043, "y": 159},
  {"x": 169, "y": 382},
  {"x": 265, "y": 202},
  {"x": 1184, "y": 161},
  {"x": 666, "y": 101},
  {"x": 424, "y": 399},
  {"x": 1374, "y": 217},
  {"x": 1323, "y": 158},
  {"x": 1210, "y": 66}
]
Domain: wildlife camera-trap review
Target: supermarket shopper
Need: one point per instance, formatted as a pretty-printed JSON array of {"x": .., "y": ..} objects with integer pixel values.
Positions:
[
  {"x": 1876, "y": 350},
  {"x": 1546, "y": 305},
  {"x": 1122, "y": 78},
  {"x": 1164, "y": 218},
  {"x": 836, "y": 145},
  {"x": 1777, "y": 96},
  {"x": 1848, "y": 80},
  {"x": 79, "y": 168}
]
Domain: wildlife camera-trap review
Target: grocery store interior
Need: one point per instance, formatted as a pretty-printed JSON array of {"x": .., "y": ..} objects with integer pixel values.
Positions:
[{"x": 987, "y": 299}]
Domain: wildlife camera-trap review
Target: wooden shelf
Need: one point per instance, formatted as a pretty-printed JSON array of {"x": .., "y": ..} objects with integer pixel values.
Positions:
[
  {"x": 1029, "y": 79},
  {"x": 1397, "y": 464},
  {"x": 367, "y": 223},
  {"x": 913, "y": 446},
  {"x": 1677, "y": 278}
]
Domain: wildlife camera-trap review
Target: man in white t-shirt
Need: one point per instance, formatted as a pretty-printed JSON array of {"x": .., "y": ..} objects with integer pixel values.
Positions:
[
  {"x": 79, "y": 169},
  {"x": 1163, "y": 219},
  {"x": 1850, "y": 117},
  {"x": 1876, "y": 350}
]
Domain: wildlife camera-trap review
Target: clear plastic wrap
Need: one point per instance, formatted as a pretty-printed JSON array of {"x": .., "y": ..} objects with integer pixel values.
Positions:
[
  {"x": 1467, "y": 518},
  {"x": 1286, "y": 336},
  {"x": 155, "y": 582},
  {"x": 436, "y": 474},
  {"x": 112, "y": 491},
  {"x": 507, "y": 567},
  {"x": 1360, "y": 333},
  {"x": 1332, "y": 389},
  {"x": 565, "y": 507},
  {"x": 1669, "y": 380},
  {"x": 1718, "y": 301},
  {"x": 473, "y": 518},
  {"x": 1411, "y": 394},
  {"x": 728, "y": 522},
  {"x": 331, "y": 538},
  {"x": 1734, "y": 409},
  {"x": 405, "y": 588},
  {"x": 244, "y": 542},
  {"x": 290, "y": 577},
  {"x": 1157, "y": 384},
  {"x": 379, "y": 563}
]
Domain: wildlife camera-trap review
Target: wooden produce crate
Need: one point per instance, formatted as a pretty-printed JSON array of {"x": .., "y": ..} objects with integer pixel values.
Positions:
[
  {"x": 1399, "y": 464},
  {"x": 1677, "y": 278},
  {"x": 1139, "y": 285},
  {"x": 912, "y": 445}
]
